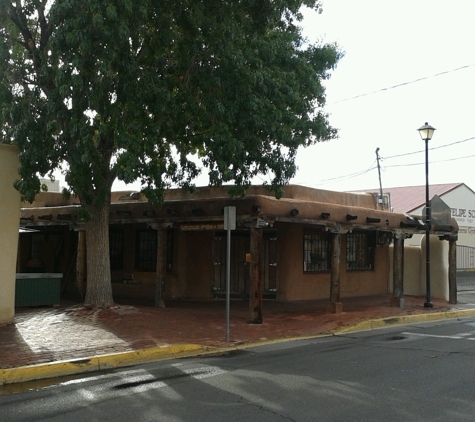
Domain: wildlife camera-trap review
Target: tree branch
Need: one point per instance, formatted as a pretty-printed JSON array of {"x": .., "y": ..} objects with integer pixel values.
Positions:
[
  {"x": 20, "y": 21},
  {"x": 46, "y": 27}
]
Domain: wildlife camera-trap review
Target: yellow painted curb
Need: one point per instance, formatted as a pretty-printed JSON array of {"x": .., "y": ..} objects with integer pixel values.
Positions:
[
  {"x": 373, "y": 324},
  {"x": 102, "y": 362},
  {"x": 151, "y": 354},
  {"x": 97, "y": 363}
]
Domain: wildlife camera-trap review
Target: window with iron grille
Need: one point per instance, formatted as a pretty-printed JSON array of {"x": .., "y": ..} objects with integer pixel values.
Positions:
[
  {"x": 316, "y": 250},
  {"x": 116, "y": 249},
  {"x": 360, "y": 251},
  {"x": 146, "y": 250}
]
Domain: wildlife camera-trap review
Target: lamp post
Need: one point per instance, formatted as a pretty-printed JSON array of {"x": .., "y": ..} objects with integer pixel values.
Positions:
[{"x": 426, "y": 133}]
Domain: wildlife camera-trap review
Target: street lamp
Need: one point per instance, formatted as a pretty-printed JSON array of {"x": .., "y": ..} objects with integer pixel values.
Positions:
[{"x": 426, "y": 133}]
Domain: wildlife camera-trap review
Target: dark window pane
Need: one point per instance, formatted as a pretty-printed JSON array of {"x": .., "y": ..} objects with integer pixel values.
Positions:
[
  {"x": 316, "y": 250},
  {"x": 146, "y": 250},
  {"x": 360, "y": 251}
]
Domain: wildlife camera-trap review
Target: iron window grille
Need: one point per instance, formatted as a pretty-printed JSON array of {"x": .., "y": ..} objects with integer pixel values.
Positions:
[
  {"x": 316, "y": 250},
  {"x": 146, "y": 250},
  {"x": 360, "y": 251}
]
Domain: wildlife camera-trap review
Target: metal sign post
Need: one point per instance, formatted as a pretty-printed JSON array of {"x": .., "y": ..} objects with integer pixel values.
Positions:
[{"x": 229, "y": 224}]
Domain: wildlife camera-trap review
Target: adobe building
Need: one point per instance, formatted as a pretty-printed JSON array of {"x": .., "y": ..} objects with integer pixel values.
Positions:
[{"x": 311, "y": 244}]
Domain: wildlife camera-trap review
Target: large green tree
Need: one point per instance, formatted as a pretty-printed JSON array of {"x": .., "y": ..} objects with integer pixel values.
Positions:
[{"x": 134, "y": 89}]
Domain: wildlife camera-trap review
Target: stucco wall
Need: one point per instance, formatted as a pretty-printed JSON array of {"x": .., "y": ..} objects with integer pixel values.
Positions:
[
  {"x": 51, "y": 199},
  {"x": 290, "y": 192},
  {"x": 415, "y": 268},
  {"x": 294, "y": 284},
  {"x": 366, "y": 283},
  {"x": 10, "y": 218},
  {"x": 439, "y": 267},
  {"x": 412, "y": 270}
]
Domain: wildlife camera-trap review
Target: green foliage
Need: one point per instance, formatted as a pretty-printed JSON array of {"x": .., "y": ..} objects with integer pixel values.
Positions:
[{"x": 107, "y": 89}]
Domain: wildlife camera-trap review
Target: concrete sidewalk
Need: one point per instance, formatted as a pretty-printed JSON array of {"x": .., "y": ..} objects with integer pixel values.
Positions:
[{"x": 50, "y": 342}]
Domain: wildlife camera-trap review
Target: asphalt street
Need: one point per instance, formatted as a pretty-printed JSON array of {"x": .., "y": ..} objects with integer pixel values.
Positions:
[
  {"x": 465, "y": 281},
  {"x": 419, "y": 372}
]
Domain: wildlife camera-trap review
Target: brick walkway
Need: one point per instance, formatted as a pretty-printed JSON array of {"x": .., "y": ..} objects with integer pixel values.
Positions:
[{"x": 42, "y": 335}]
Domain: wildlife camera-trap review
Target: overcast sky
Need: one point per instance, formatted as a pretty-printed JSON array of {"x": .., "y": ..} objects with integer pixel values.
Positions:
[{"x": 406, "y": 63}]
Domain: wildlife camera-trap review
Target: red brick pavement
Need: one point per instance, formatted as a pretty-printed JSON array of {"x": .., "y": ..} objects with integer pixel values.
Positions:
[{"x": 43, "y": 335}]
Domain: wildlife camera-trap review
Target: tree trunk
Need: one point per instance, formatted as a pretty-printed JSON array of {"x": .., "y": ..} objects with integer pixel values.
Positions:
[
  {"x": 99, "y": 288},
  {"x": 81, "y": 264}
]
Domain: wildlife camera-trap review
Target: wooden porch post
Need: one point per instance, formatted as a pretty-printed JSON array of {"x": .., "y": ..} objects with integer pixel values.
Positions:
[
  {"x": 453, "y": 270},
  {"x": 159, "y": 282},
  {"x": 398, "y": 271},
  {"x": 255, "y": 268},
  {"x": 335, "y": 306}
]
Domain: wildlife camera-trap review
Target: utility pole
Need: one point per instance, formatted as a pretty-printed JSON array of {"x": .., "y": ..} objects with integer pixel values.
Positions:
[{"x": 380, "y": 184}]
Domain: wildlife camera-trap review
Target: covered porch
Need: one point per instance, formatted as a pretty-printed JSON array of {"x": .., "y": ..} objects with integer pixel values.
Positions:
[{"x": 309, "y": 245}]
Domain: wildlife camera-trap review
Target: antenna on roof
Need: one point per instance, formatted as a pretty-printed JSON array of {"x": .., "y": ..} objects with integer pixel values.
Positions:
[{"x": 381, "y": 201}]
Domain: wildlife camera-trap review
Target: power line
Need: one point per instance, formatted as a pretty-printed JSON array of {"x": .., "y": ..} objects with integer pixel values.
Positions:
[
  {"x": 373, "y": 166},
  {"x": 430, "y": 149},
  {"x": 431, "y": 162},
  {"x": 445, "y": 72},
  {"x": 349, "y": 176}
]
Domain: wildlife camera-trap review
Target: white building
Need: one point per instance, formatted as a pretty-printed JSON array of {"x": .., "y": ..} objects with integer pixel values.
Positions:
[
  {"x": 52, "y": 185},
  {"x": 461, "y": 200}
]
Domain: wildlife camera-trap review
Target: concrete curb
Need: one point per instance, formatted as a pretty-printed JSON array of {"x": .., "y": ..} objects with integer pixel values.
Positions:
[
  {"x": 373, "y": 324},
  {"x": 10, "y": 376},
  {"x": 98, "y": 363}
]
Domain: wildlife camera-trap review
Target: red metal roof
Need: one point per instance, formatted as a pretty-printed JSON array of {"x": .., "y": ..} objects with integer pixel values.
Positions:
[{"x": 409, "y": 198}]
